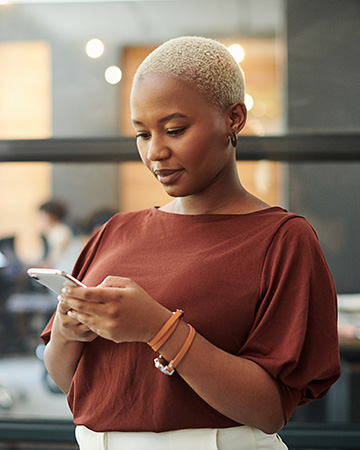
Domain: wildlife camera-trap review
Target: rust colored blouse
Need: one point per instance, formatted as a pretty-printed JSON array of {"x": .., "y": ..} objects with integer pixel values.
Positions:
[{"x": 256, "y": 285}]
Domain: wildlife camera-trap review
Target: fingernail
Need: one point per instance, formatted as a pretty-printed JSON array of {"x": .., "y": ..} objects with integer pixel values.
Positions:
[{"x": 66, "y": 290}]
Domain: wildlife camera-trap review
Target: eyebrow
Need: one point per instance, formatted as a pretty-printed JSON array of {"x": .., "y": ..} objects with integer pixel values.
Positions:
[{"x": 163, "y": 119}]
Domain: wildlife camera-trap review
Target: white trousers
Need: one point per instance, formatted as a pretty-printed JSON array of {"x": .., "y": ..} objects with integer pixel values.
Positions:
[{"x": 238, "y": 438}]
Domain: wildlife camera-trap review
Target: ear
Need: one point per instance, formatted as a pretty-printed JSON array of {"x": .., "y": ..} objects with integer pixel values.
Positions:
[{"x": 238, "y": 114}]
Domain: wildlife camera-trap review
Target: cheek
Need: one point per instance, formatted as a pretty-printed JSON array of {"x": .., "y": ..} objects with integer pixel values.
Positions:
[
  {"x": 207, "y": 144},
  {"x": 216, "y": 133},
  {"x": 142, "y": 150}
]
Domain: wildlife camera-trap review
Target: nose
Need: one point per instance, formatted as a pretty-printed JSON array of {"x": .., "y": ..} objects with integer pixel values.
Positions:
[{"x": 157, "y": 149}]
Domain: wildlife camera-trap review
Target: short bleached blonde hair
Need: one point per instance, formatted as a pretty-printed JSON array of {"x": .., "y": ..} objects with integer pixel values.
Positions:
[{"x": 204, "y": 63}]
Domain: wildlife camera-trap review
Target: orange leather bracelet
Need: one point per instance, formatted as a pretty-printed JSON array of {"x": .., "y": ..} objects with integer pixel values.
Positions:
[
  {"x": 169, "y": 369},
  {"x": 166, "y": 336},
  {"x": 166, "y": 330}
]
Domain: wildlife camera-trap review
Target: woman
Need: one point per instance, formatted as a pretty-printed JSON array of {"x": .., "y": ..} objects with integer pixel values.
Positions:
[
  {"x": 251, "y": 280},
  {"x": 61, "y": 246}
]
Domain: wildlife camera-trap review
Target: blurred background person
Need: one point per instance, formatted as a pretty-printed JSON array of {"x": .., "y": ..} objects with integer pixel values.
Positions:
[{"x": 61, "y": 247}]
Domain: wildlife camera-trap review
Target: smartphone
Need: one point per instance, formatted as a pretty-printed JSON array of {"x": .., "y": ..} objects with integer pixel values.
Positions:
[{"x": 54, "y": 279}]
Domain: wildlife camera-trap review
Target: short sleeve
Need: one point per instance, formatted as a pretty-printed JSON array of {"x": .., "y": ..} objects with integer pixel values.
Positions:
[{"x": 294, "y": 336}]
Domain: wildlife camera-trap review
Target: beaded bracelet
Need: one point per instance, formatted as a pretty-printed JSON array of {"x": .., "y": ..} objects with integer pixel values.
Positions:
[
  {"x": 169, "y": 368},
  {"x": 166, "y": 331}
]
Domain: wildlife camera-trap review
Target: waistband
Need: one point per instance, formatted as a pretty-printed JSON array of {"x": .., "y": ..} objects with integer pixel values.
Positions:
[{"x": 237, "y": 438}]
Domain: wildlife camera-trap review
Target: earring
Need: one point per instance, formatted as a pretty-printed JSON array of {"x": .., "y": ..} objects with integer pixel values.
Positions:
[{"x": 234, "y": 140}]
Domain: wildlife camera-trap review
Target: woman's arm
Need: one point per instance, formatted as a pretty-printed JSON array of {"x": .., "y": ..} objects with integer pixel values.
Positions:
[
  {"x": 63, "y": 352},
  {"x": 238, "y": 388}
]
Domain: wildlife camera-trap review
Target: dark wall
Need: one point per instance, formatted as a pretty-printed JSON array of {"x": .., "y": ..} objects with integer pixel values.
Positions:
[
  {"x": 324, "y": 65},
  {"x": 323, "y": 97}
]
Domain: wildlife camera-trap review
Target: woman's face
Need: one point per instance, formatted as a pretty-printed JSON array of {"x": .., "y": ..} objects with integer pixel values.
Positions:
[{"x": 181, "y": 137}]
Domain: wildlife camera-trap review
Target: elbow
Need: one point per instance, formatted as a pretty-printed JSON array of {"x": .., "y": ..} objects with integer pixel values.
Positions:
[
  {"x": 269, "y": 422},
  {"x": 272, "y": 428},
  {"x": 272, "y": 425},
  {"x": 56, "y": 375}
]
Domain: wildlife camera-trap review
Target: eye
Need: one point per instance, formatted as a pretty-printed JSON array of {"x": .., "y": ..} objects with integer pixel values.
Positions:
[
  {"x": 143, "y": 136},
  {"x": 176, "y": 131}
]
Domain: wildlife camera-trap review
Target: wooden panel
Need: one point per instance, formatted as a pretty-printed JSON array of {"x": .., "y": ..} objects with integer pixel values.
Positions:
[
  {"x": 25, "y": 113},
  {"x": 264, "y": 179},
  {"x": 25, "y": 90},
  {"x": 131, "y": 59}
]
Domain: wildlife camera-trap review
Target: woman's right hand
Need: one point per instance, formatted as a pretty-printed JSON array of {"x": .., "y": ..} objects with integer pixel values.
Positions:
[{"x": 70, "y": 328}]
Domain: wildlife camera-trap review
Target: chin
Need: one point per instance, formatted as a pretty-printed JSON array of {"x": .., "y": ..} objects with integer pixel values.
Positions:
[{"x": 174, "y": 192}]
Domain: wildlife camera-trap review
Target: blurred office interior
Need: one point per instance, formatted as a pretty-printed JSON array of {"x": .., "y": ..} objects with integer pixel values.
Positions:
[{"x": 301, "y": 61}]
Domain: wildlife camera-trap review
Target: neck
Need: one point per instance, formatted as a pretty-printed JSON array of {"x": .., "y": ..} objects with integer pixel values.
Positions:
[
  {"x": 226, "y": 195},
  {"x": 236, "y": 201}
]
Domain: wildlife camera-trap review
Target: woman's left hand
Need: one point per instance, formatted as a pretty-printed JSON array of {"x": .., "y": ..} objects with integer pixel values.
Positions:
[{"x": 118, "y": 309}]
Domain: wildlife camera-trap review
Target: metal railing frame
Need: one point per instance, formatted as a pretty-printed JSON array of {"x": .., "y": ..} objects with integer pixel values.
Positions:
[{"x": 287, "y": 148}]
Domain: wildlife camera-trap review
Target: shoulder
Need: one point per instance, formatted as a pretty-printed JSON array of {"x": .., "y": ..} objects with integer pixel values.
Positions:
[
  {"x": 294, "y": 240},
  {"x": 290, "y": 238},
  {"x": 289, "y": 223},
  {"x": 277, "y": 222},
  {"x": 123, "y": 224},
  {"x": 125, "y": 218},
  {"x": 296, "y": 228}
]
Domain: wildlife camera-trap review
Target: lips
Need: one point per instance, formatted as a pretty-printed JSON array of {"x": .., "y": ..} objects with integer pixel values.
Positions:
[{"x": 168, "y": 176}]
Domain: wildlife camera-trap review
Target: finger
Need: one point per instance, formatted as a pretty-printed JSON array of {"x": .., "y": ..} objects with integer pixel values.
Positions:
[
  {"x": 119, "y": 282},
  {"x": 87, "y": 294},
  {"x": 78, "y": 330},
  {"x": 74, "y": 291},
  {"x": 82, "y": 318},
  {"x": 62, "y": 306},
  {"x": 82, "y": 306}
]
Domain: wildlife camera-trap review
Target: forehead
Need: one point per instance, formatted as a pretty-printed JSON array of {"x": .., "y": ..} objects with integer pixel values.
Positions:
[{"x": 158, "y": 91}]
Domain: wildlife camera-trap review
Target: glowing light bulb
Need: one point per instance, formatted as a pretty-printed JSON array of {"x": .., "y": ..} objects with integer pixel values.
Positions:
[
  {"x": 113, "y": 75},
  {"x": 249, "y": 102},
  {"x": 94, "y": 48},
  {"x": 237, "y": 52}
]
